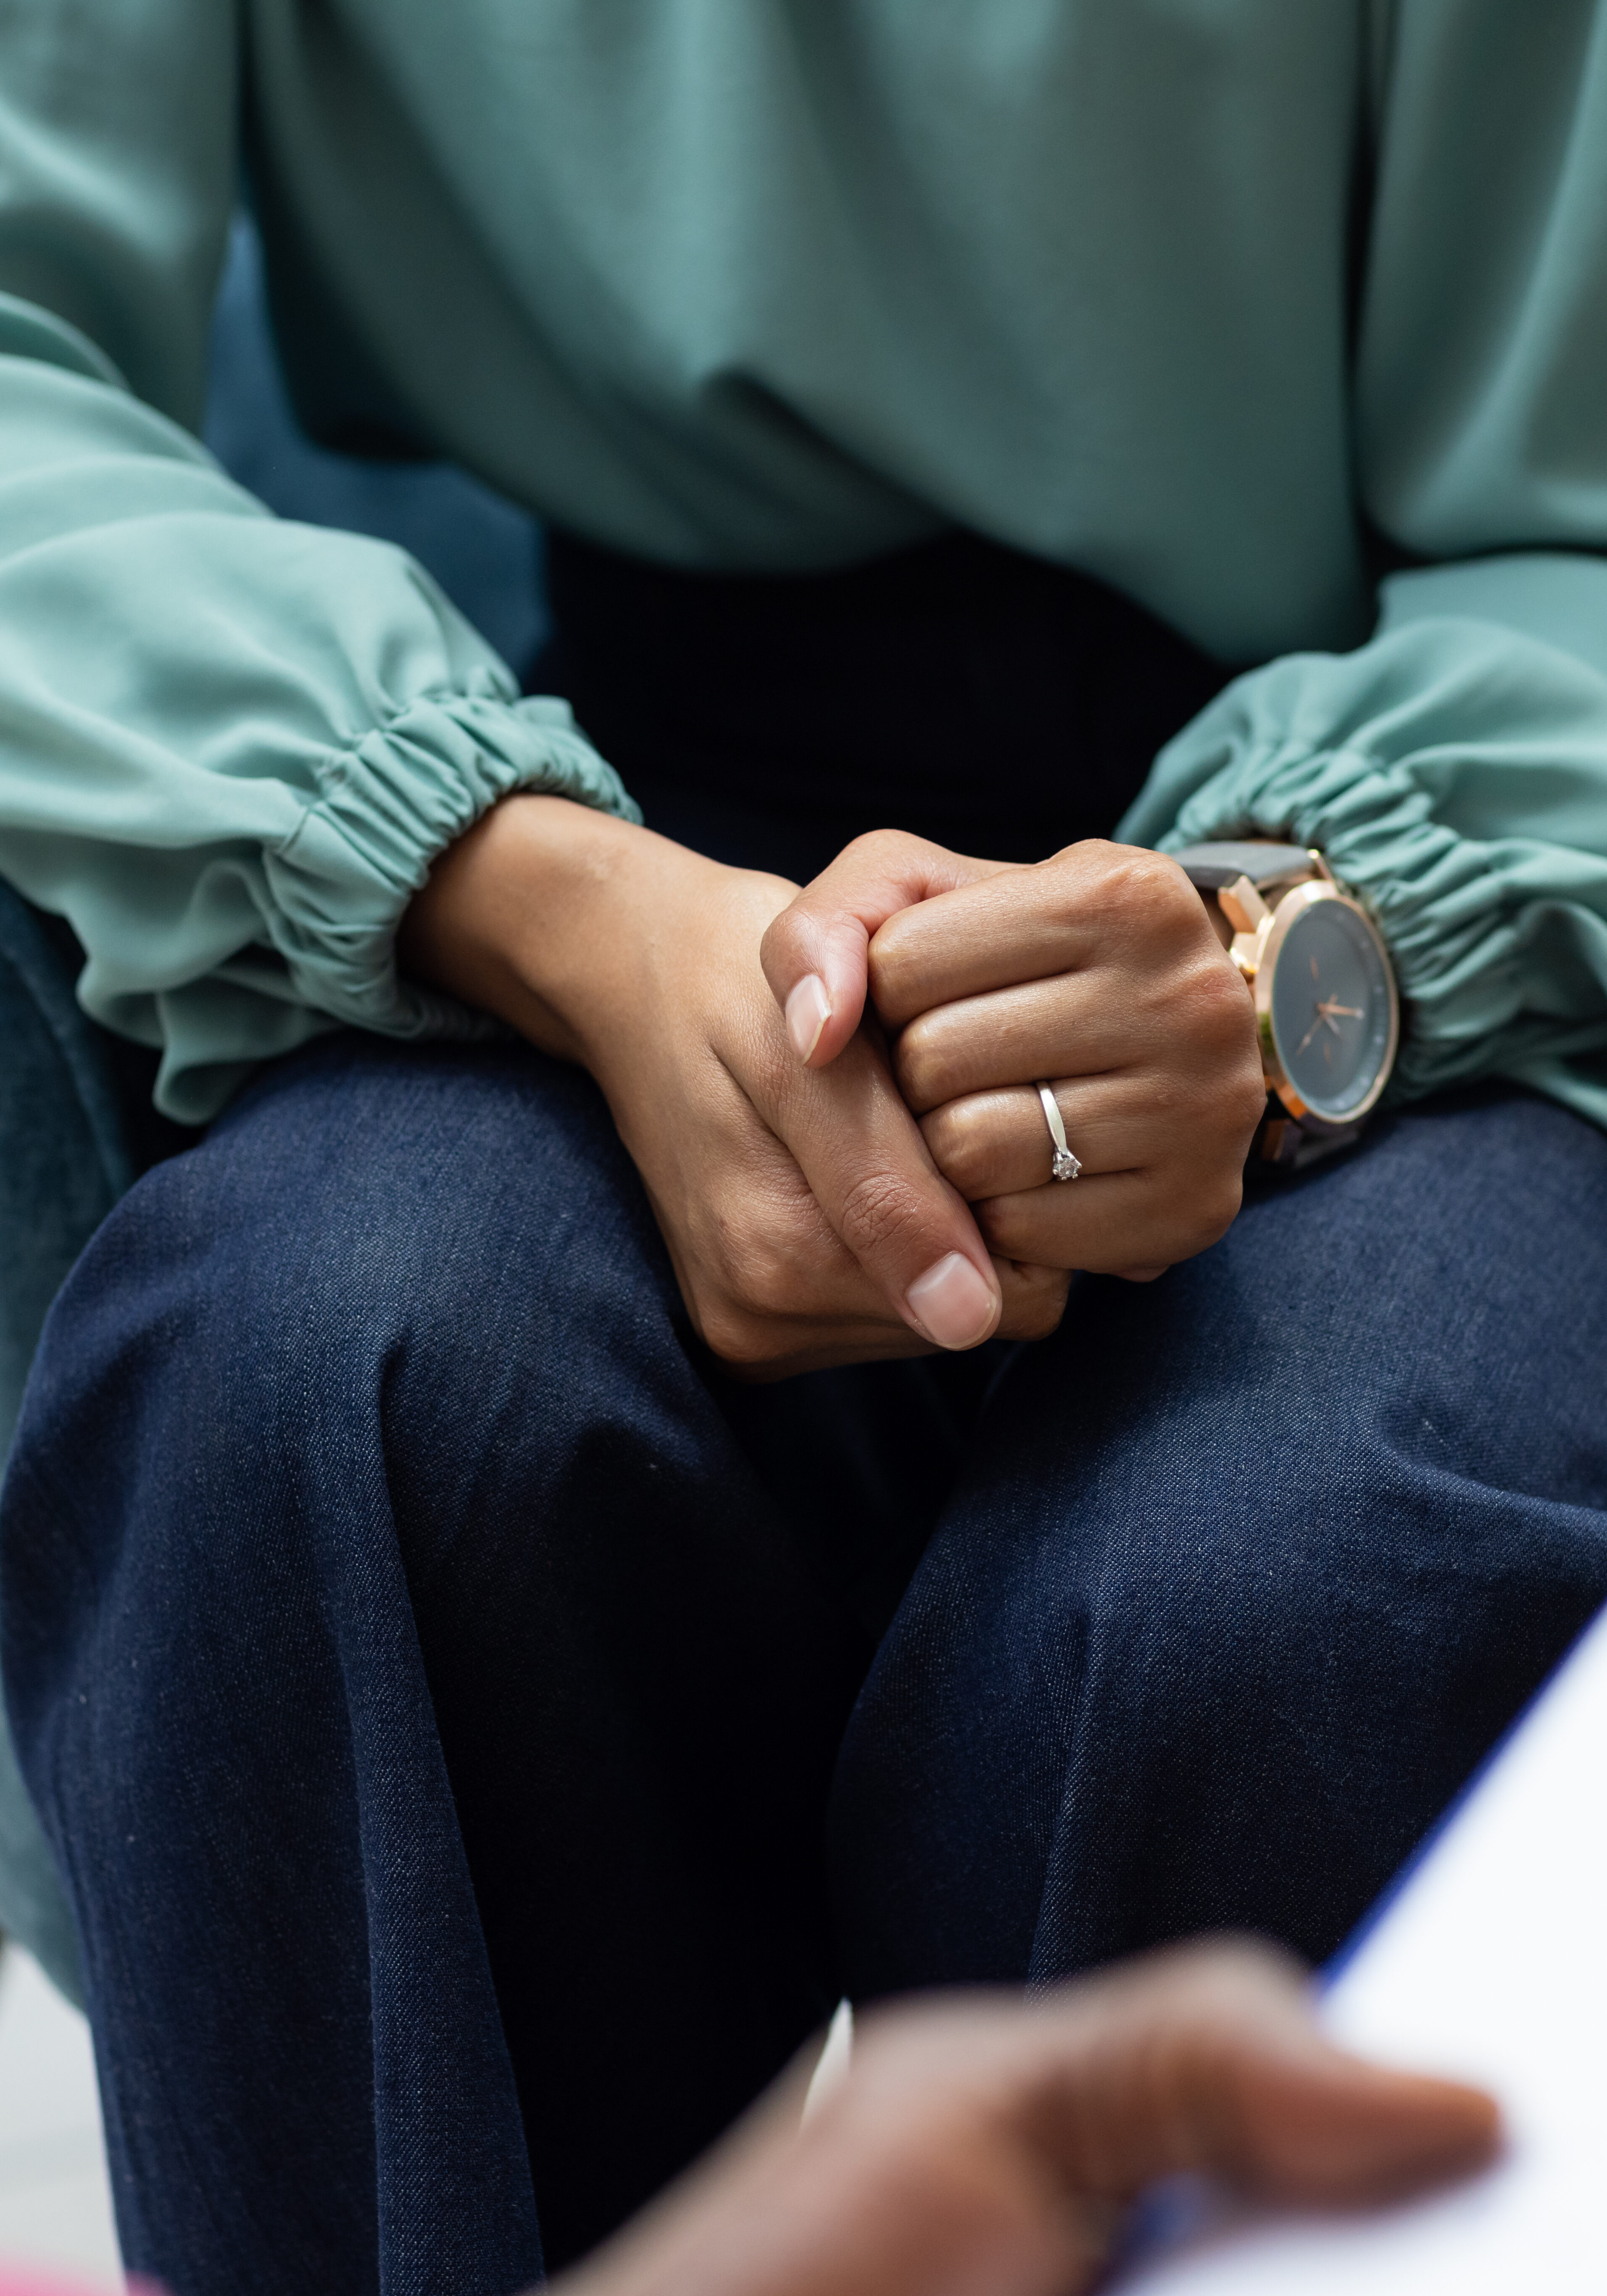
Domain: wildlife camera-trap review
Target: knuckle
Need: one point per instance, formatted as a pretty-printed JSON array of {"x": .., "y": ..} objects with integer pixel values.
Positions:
[
  {"x": 1134, "y": 899},
  {"x": 752, "y": 1284},
  {"x": 1159, "y": 879},
  {"x": 1151, "y": 882},
  {"x": 919, "y": 1065},
  {"x": 958, "y": 1145},
  {"x": 744, "y": 1298},
  {"x": 729, "y": 1315},
  {"x": 1213, "y": 1210},
  {"x": 878, "y": 853},
  {"x": 1239, "y": 1088},
  {"x": 1224, "y": 1209},
  {"x": 741, "y": 1315},
  {"x": 782, "y": 945},
  {"x": 881, "y": 844},
  {"x": 1221, "y": 1008},
  {"x": 877, "y": 1214},
  {"x": 1042, "y": 1308},
  {"x": 1003, "y": 1225},
  {"x": 729, "y": 1334},
  {"x": 1219, "y": 1025},
  {"x": 746, "y": 1257},
  {"x": 1249, "y": 1102}
]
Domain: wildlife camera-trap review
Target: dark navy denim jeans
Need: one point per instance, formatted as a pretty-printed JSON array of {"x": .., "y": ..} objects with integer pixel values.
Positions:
[{"x": 481, "y": 1740}]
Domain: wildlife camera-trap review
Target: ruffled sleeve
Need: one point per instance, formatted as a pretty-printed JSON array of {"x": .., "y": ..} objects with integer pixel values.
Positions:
[
  {"x": 230, "y": 746},
  {"x": 1455, "y": 772}
]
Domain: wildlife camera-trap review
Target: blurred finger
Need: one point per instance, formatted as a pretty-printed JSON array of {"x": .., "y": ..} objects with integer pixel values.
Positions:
[{"x": 1211, "y": 2059}]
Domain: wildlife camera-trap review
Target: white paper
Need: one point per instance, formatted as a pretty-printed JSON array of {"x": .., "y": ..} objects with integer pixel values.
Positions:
[{"x": 1490, "y": 1965}]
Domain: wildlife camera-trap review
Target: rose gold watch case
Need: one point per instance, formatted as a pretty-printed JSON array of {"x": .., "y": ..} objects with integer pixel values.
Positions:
[{"x": 1255, "y": 955}]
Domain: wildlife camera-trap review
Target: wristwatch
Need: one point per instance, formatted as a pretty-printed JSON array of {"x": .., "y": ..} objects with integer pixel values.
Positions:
[{"x": 1327, "y": 1010}]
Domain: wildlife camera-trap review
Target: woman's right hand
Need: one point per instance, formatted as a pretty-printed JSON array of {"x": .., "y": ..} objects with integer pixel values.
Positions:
[{"x": 806, "y": 1220}]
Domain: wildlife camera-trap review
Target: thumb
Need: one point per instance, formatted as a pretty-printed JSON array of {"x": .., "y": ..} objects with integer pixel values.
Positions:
[{"x": 815, "y": 952}]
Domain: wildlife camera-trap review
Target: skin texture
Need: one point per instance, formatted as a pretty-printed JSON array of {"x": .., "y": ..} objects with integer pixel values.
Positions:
[
  {"x": 1097, "y": 971},
  {"x": 980, "y": 2145},
  {"x": 811, "y": 1218}
]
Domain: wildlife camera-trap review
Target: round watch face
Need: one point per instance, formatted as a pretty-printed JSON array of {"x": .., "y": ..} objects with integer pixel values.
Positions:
[{"x": 1331, "y": 1012}]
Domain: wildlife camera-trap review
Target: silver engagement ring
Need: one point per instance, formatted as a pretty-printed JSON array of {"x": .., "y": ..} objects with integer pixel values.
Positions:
[{"x": 1065, "y": 1165}]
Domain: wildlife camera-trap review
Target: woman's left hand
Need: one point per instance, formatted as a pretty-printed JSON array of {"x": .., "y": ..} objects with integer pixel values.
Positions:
[{"x": 1096, "y": 971}]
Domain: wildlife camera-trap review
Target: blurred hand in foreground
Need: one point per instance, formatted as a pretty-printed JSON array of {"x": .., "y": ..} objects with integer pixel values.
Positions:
[{"x": 978, "y": 2144}]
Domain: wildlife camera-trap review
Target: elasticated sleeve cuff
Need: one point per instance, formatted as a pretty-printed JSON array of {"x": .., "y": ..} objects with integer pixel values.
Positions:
[
  {"x": 386, "y": 808},
  {"x": 230, "y": 746},
  {"x": 333, "y": 893},
  {"x": 1455, "y": 773}
]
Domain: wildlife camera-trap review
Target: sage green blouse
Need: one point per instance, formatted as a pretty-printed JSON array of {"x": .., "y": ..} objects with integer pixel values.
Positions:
[{"x": 1193, "y": 294}]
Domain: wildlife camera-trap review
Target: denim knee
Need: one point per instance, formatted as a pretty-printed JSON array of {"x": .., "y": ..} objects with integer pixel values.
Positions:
[
  {"x": 447, "y": 1233},
  {"x": 62, "y": 1165},
  {"x": 1248, "y": 1569},
  {"x": 384, "y": 1264}
]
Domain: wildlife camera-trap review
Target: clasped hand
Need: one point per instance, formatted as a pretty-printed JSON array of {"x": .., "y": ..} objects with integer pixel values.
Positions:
[
  {"x": 1095, "y": 972},
  {"x": 829, "y": 1095}
]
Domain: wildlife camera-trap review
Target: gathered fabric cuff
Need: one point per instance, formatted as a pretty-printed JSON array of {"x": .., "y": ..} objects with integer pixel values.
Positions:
[
  {"x": 231, "y": 745},
  {"x": 385, "y": 810},
  {"x": 1455, "y": 773}
]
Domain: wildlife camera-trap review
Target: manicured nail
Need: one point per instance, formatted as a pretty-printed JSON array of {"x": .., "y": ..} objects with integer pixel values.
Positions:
[
  {"x": 953, "y": 1303},
  {"x": 808, "y": 1009}
]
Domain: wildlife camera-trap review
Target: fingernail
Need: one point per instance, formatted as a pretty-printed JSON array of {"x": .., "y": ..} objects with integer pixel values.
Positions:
[
  {"x": 953, "y": 1303},
  {"x": 808, "y": 1009}
]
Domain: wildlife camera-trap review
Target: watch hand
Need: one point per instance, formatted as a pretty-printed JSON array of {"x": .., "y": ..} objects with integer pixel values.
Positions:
[{"x": 1325, "y": 1019}]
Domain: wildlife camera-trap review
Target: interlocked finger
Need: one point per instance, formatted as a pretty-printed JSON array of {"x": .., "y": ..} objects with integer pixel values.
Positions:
[
  {"x": 999, "y": 1144},
  {"x": 1110, "y": 1224}
]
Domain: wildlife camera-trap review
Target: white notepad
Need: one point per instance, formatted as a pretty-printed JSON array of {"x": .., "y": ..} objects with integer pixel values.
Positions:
[{"x": 1489, "y": 1963}]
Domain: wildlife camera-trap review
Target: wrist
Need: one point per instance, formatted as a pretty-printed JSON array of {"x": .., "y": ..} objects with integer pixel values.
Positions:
[{"x": 520, "y": 917}]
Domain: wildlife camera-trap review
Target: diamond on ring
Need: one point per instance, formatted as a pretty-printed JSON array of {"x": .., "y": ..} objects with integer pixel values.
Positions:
[{"x": 1064, "y": 1165}]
